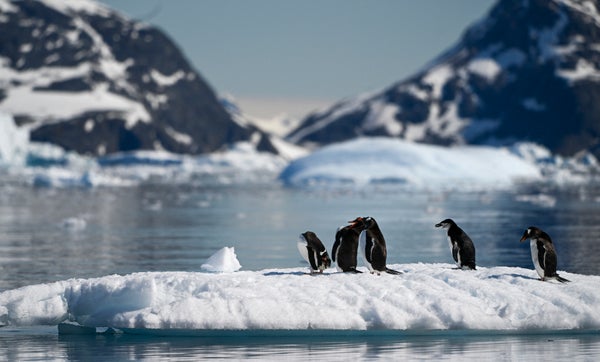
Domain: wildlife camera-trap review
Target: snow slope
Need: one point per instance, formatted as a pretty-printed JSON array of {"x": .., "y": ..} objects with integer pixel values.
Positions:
[{"x": 425, "y": 297}]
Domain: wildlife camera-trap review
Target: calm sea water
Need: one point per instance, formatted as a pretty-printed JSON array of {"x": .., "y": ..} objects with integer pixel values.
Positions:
[{"x": 55, "y": 234}]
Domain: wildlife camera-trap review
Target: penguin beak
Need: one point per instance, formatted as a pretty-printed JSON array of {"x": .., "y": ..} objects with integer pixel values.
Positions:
[
  {"x": 524, "y": 237},
  {"x": 354, "y": 222},
  {"x": 438, "y": 225}
]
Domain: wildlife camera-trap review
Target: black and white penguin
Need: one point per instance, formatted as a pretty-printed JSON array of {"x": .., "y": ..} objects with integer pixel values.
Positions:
[
  {"x": 313, "y": 251},
  {"x": 345, "y": 247},
  {"x": 372, "y": 246},
  {"x": 461, "y": 245},
  {"x": 542, "y": 253}
]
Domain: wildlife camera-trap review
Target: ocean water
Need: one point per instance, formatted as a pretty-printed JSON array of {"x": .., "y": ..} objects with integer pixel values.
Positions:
[{"x": 50, "y": 234}]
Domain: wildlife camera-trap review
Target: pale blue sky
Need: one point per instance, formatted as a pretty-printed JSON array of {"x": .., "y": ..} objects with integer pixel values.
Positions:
[{"x": 293, "y": 56}]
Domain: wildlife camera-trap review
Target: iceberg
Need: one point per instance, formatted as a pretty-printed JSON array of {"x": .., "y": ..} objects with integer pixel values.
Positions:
[
  {"x": 223, "y": 261},
  {"x": 13, "y": 142},
  {"x": 365, "y": 161},
  {"x": 356, "y": 163},
  {"x": 426, "y": 297}
]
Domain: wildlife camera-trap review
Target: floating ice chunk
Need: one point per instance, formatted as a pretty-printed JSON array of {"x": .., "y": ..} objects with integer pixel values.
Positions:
[
  {"x": 538, "y": 199},
  {"x": 223, "y": 261},
  {"x": 74, "y": 223}
]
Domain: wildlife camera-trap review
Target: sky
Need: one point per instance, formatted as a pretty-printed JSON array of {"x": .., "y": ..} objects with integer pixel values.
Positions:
[{"x": 292, "y": 57}]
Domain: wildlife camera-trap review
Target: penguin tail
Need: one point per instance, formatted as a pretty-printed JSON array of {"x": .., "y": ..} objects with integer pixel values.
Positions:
[
  {"x": 561, "y": 279},
  {"x": 392, "y": 271}
]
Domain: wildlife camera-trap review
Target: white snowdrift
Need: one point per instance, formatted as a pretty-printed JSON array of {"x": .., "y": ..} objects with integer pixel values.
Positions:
[
  {"x": 425, "y": 297},
  {"x": 384, "y": 160}
]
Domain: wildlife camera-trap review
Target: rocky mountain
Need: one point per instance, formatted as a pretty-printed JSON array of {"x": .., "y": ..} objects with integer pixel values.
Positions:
[
  {"x": 82, "y": 76},
  {"x": 529, "y": 70}
]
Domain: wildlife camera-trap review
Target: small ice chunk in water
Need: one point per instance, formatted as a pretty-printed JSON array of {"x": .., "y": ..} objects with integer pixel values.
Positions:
[
  {"x": 223, "y": 261},
  {"x": 73, "y": 223}
]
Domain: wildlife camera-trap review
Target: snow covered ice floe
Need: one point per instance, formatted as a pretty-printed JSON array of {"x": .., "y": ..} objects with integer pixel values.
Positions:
[{"x": 426, "y": 297}]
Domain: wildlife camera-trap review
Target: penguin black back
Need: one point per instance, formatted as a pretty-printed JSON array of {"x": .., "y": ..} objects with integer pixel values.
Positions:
[
  {"x": 345, "y": 247},
  {"x": 313, "y": 251},
  {"x": 461, "y": 245},
  {"x": 373, "y": 246}
]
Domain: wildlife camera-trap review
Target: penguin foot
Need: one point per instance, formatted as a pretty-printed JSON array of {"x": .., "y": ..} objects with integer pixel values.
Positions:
[{"x": 392, "y": 271}]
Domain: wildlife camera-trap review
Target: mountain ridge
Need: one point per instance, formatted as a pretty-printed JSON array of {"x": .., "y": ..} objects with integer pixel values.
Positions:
[
  {"x": 528, "y": 71},
  {"x": 82, "y": 76}
]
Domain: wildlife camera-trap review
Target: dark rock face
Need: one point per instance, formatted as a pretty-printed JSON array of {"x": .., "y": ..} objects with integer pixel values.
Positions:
[
  {"x": 529, "y": 71},
  {"x": 100, "y": 83}
]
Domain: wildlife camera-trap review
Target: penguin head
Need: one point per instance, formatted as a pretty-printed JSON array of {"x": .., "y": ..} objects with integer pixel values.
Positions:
[
  {"x": 358, "y": 223},
  {"x": 362, "y": 223},
  {"x": 309, "y": 235},
  {"x": 445, "y": 224},
  {"x": 531, "y": 232},
  {"x": 369, "y": 222}
]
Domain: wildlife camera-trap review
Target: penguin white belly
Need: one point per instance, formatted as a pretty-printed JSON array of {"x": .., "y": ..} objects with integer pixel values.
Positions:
[
  {"x": 302, "y": 248},
  {"x": 452, "y": 252},
  {"x": 534, "y": 257}
]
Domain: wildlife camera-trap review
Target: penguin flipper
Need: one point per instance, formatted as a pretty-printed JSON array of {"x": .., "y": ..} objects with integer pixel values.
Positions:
[
  {"x": 549, "y": 261},
  {"x": 334, "y": 250}
]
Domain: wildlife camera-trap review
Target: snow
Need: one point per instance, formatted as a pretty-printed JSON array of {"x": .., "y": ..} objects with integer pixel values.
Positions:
[
  {"x": 425, "y": 297},
  {"x": 179, "y": 137},
  {"x": 223, "y": 261},
  {"x": 167, "y": 80},
  {"x": 383, "y": 114},
  {"x": 584, "y": 70},
  {"x": 43, "y": 104},
  {"x": 6, "y": 6},
  {"x": 78, "y": 6},
  {"x": 485, "y": 68},
  {"x": 375, "y": 160},
  {"x": 437, "y": 77}
]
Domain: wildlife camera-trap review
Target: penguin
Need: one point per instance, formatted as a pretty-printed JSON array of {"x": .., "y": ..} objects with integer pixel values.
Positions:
[
  {"x": 313, "y": 251},
  {"x": 372, "y": 246},
  {"x": 542, "y": 253},
  {"x": 461, "y": 245},
  {"x": 345, "y": 247}
]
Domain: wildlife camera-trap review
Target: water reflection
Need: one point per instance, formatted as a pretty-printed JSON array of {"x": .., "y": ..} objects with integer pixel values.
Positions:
[{"x": 45, "y": 345}]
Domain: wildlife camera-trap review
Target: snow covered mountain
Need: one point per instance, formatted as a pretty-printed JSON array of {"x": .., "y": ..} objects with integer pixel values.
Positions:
[
  {"x": 82, "y": 76},
  {"x": 528, "y": 71}
]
